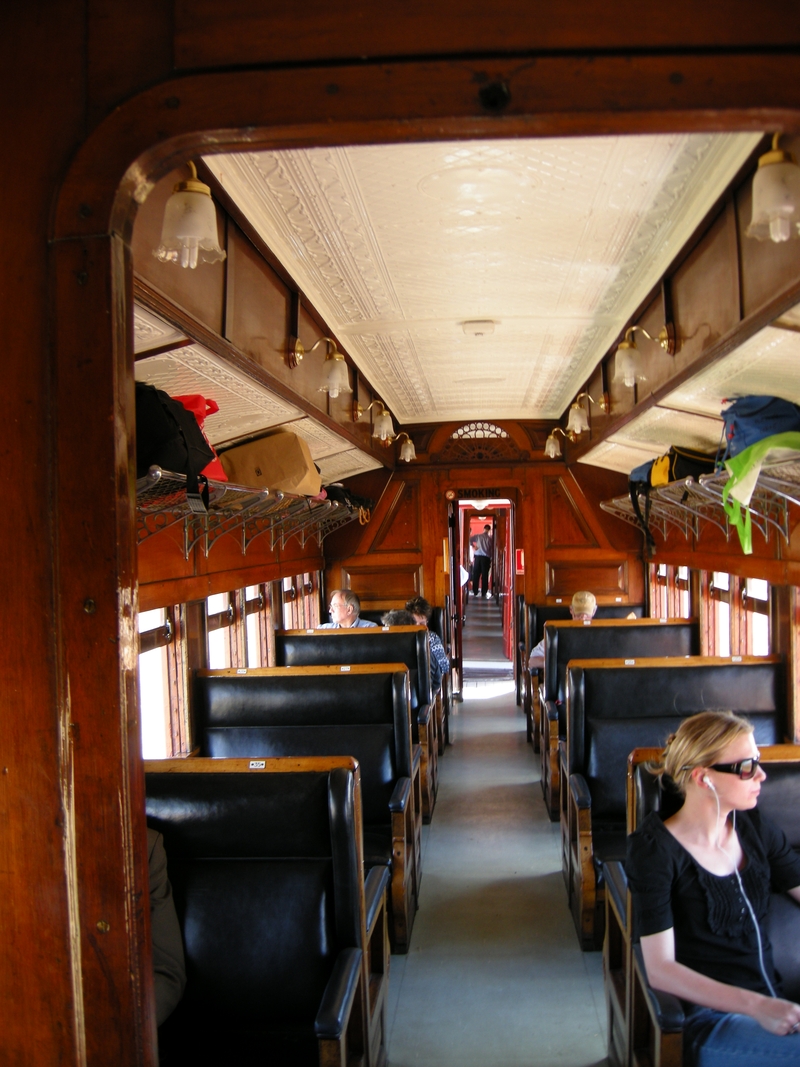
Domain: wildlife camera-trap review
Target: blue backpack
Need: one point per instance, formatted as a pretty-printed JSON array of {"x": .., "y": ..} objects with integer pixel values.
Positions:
[{"x": 752, "y": 418}]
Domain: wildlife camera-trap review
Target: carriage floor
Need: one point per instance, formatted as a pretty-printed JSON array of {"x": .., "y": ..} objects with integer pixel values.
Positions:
[{"x": 495, "y": 977}]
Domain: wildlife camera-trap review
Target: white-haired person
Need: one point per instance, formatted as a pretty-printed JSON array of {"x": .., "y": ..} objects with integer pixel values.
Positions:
[
  {"x": 700, "y": 882},
  {"x": 345, "y": 610},
  {"x": 582, "y": 609}
]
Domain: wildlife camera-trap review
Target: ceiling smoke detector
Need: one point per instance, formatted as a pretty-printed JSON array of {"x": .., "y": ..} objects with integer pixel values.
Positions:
[{"x": 478, "y": 327}]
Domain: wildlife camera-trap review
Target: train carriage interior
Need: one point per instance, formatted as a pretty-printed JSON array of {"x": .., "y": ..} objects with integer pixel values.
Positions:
[{"x": 428, "y": 287}]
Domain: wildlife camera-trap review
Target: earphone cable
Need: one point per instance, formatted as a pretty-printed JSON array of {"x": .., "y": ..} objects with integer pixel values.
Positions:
[{"x": 745, "y": 898}]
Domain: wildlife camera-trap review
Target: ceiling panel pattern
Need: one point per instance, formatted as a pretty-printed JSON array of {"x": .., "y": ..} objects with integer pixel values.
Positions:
[
  {"x": 244, "y": 406},
  {"x": 345, "y": 465},
  {"x": 766, "y": 365},
  {"x": 662, "y": 427},
  {"x": 556, "y": 241},
  {"x": 151, "y": 331}
]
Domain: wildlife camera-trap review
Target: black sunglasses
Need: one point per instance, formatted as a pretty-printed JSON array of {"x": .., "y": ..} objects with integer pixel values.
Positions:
[{"x": 745, "y": 768}]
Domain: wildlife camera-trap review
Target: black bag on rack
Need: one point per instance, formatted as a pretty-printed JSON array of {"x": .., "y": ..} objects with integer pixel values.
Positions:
[
  {"x": 167, "y": 436},
  {"x": 674, "y": 466}
]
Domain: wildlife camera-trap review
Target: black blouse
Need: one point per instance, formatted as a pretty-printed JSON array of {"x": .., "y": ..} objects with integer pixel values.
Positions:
[{"x": 714, "y": 933}]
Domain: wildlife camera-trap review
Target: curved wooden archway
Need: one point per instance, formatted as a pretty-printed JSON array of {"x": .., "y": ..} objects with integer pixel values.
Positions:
[{"x": 100, "y": 779}]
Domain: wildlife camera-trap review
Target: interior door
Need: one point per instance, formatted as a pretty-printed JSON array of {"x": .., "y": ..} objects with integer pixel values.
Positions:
[{"x": 456, "y": 593}]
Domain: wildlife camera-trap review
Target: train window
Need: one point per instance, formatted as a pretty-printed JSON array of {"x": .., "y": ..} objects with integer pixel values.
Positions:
[
  {"x": 220, "y": 617},
  {"x": 682, "y": 593},
  {"x": 291, "y": 614},
  {"x": 757, "y": 608},
  {"x": 300, "y": 598},
  {"x": 155, "y": 634},
  {"x": 721, "y": 596},
  {"x": 255, "y": 625}
]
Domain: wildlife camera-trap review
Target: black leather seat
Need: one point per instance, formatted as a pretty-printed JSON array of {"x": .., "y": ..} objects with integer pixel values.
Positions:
[
  {"x": 398, "y": 644},
  {"x": 364, "y": 712},
  {"x": 532, "y": 621},
  {"x": 613, "y": 707},
  {"x": 599, "y": 639},
  {"x": 266, "y": 868}
]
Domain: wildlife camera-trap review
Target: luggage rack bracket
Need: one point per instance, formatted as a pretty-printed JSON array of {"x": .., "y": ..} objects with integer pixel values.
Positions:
[{"x": 161, "y": 502}]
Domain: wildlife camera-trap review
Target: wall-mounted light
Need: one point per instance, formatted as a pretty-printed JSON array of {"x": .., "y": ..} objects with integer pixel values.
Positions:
[
  {"x": 335, "y": 378},
  {"x": 407, "y": 450},
  {"x": 776, "y": 196},
  {"x": 578, "y": 420},
  {"x": 382, "y": 427},
  {"x": 628, "y": 361},
  {"x": 552, "y": 448},
  {"x": 189, "y": 230}
]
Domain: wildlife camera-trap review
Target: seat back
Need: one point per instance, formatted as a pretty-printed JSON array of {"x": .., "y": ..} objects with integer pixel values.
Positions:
[
  {"x": 612, "y": 639},
  {"x": 266, "y": 870},
  {"x": 364, "y": 712},
  {"x": 779, "y": 801},
  {"x": 396, "y": 644},
  {"x": 613, "y": 707},
  {"x": 539, "y": 614}
]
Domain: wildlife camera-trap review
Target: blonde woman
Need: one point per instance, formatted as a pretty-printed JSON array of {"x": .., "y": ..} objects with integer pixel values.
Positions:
[{"x": 700, "y": 883}]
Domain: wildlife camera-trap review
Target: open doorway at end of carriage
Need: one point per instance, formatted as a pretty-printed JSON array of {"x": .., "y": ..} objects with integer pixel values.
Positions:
[{"x": 481, "y": 524}]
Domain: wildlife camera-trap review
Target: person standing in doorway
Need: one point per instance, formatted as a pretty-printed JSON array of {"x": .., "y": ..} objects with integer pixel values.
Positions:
[{"x": 483, "y": 546}]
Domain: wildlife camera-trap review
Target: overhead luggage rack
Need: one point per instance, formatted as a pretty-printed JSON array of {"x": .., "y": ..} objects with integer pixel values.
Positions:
[
  {"x": 688, "y": 504},
  {"x": 162, "y": 502}
]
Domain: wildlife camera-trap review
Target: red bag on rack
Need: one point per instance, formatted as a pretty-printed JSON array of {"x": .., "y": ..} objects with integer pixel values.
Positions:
[{"x": 201, "y": 408}]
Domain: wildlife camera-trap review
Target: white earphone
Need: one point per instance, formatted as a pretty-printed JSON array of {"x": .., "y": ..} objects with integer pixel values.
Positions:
[{"x": 709, "y": 783}]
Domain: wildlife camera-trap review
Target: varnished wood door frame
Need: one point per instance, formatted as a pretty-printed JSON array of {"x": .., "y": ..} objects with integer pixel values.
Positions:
[{"x": 94, "y": 532}]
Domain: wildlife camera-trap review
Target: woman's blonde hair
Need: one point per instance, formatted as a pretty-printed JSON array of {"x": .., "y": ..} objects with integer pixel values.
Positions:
[{"x": 699, "y": 741}]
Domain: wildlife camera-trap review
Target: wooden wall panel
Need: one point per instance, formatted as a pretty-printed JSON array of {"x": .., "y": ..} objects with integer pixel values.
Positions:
[
  {"x": 564, "y": 525},
  {"x": 705, "y": 296},
  {"x": 199, "y": 291},
  {"x": 258, "y": 307},
  {"x": 400, "y": 529},
  {"x": 383, "y": 587},
  {"x": 608, "y": 581},
  {"x": 203, "y": 34}
]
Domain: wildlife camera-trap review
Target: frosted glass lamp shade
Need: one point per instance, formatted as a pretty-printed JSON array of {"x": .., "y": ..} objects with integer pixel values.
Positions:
[
  {"x": 335, "y": 376},
  {"x": 189, "y": 231},
  {"x": 383, "y": 427},
  {"x": 578, "y": 421},
  {"x": 776, "y": 198},
  {"x": 628, "y": 366},
  {"x": 407, "y": 451},
  {"x": 552, "y": 449}
]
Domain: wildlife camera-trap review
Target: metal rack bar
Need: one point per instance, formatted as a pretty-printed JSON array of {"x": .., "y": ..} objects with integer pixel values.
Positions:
[
  {"x": 162, "y": 503},
  {"x": 688, "y": 495}
]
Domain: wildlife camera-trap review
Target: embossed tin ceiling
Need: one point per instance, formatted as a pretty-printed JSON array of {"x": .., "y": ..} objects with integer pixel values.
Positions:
[{"x": 555, "y": 241}]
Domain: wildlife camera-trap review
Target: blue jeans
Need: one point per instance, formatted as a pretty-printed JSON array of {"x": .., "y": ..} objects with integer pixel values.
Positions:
[{"x": 715, "y": 1039}]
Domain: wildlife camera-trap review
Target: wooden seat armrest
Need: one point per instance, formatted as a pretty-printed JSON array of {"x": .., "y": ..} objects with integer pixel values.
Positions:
[
  {"x": 665, "y": 1009},
  {"x": 339, "y": 995},
  {"x": 617, "y": 887},
  {"x": 579, "y": 795},
  {"x": 424, "y": 715},
  {"x": 401, "y": 795},
  {"x": 375, "y": 887},
  {"x": 551, "y": 709},
  {"x": 416, "y": 759}
]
